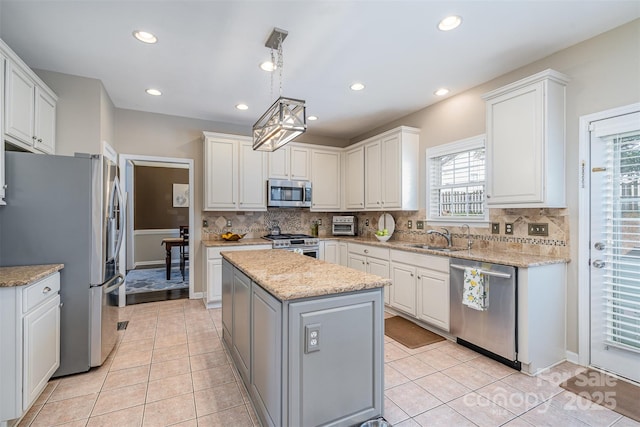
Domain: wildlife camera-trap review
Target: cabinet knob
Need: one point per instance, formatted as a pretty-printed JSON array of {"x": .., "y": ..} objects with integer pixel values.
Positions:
[
  {"x": 39, "y": 139},
  {"x": 378, "y": 202},
  {"x": 366, "y": 251},
  {"x": 46, "y": 290},
  {"x": 411, "y": 274},
  {"x": 61, "y": 304},
  {"x": 361, "y": 203},
  {"x": 4, "y": 186},
  {"x": 419, "y": 278},
  {"x": 488, "y": 196}
]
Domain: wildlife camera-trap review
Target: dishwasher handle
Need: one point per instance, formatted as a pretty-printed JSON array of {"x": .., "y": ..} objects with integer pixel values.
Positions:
[{"x": 483, "y": 272}]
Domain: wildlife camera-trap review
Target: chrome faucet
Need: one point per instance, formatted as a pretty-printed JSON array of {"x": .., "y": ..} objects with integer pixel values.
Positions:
[
  {"x": 469, "y": 242},
  {"x": 446, "y": 235}
]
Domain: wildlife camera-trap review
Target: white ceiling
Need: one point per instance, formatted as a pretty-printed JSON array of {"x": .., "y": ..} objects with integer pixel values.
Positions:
[{"x": 206, "y": 60}]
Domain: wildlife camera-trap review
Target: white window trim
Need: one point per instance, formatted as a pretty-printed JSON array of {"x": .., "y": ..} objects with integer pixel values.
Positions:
[{"x": 467, "y": 144}]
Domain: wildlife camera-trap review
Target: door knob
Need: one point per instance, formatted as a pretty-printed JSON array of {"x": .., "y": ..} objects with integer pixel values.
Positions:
[{"x": 598, "y": 263}]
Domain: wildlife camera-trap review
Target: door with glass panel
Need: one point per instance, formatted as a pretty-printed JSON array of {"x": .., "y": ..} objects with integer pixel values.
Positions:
[{"x": 615, "y": 245}]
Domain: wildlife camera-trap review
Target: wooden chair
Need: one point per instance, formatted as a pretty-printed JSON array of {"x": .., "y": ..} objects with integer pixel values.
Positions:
[{"x": 184, "y": 248}]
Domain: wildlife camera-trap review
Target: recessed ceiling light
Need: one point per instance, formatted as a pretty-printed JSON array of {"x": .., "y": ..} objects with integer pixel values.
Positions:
[
  {"x": 267, "y": 66},
  {"x": 441, "y": 92},
  {"x": 242, "y": 107},
  {"x": 449, "y": 23},
  {"x": 154, "y": 92},
  {"x": 145, "y": 37},
  {"x": 357, "y": 86},
  {"x": 312, "y": 118}
]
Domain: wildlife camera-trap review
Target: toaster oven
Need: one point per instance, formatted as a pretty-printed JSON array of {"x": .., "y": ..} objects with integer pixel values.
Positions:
[{"x": 345, "y": 225}]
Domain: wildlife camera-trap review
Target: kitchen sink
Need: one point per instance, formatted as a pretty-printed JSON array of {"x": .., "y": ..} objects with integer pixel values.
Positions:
[{"x": 437, "y": 248}]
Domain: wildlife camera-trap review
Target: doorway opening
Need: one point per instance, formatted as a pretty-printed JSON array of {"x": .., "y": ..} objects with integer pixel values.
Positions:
[{"x": 159, "y": 206}]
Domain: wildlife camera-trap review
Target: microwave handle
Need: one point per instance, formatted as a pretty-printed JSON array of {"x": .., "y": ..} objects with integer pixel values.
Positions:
[{"x": 304, "y": 194}]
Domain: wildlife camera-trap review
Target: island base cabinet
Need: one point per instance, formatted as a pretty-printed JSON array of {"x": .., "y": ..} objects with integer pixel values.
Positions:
[
  {"x": 266, "y": 366},
  {"x": 336, "y": 380},
  {"x": 334, "y": 377}
]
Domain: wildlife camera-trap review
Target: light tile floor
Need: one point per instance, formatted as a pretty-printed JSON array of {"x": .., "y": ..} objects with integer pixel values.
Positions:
[{"x": 170, "y": 368}]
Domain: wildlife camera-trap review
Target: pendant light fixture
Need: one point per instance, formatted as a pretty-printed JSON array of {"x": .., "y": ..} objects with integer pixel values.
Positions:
[{"x": 286, "y": 118}]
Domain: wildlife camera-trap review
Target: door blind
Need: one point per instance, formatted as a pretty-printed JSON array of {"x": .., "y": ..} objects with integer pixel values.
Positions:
[{"x": 621, "y": 205}]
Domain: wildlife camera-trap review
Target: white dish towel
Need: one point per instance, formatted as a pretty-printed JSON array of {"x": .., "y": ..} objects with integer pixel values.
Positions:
[{"x": 476, "y": 289}]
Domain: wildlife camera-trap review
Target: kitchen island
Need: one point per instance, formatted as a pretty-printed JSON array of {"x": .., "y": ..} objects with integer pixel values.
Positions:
[{"x": 306, "y": 337}]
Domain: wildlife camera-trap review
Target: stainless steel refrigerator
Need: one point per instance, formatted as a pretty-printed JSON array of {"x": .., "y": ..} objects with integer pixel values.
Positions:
[{"x": 63, "y": 209}]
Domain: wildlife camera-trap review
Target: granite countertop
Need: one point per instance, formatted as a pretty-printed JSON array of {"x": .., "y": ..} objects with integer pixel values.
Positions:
[
  {"x": 242, "y": 242},
  {"x": 288, "y": 275},
  {"x": 516, "y": 259},
  {"x": 26, "y": 274}
]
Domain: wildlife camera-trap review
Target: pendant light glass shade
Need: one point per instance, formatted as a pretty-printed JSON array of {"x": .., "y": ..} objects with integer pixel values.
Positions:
[{"x": 282, "y": 122}]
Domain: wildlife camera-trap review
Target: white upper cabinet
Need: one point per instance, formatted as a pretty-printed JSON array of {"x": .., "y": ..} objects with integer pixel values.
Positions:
[
  {"x": 354, "y": 178},
  {"x": 234, "y": 174},
  {"x": 391, "y": 170},
  {"x": 253, "y": 180},
  {"x": 526, "y": 142},
  {"x": 2, "y": 178},
  {"x": 325, "y": 180},
  {"x": 30, "y": 107},
  {"x": 290, "y": 162}
]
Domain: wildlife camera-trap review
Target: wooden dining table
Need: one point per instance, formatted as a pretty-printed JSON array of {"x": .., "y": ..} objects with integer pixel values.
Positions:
[{"x": 169, "y": 243}]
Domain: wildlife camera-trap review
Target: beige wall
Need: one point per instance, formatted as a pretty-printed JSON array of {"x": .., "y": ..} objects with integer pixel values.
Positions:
[
  {"x": 604, "y": 72},
  {"x": 78, "y": 128}
]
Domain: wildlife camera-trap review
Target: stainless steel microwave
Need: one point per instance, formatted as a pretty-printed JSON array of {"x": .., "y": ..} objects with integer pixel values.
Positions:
[{"x": 289, "y": 194}]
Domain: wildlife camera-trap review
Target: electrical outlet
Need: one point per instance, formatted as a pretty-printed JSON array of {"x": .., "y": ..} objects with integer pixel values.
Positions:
[
  {"x": 538, "y": 229},
  {"x": 420, "y": 225},
  {"x": 495, "y": 228},
  {"x": 508, "y": 228},
  {"x": 409, "y": 224},
  {"x": 229, "y": 223},
  {"x": 205, "y": 223},
  {"x": 366, "y": 222},
  {"x": 319, "y": 221},
  {"x": 312, "y": 338}
]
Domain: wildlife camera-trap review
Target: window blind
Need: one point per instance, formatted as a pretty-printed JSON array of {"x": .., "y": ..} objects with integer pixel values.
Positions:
[
  {"x": 621, "y": 205},
  {"x": 457, "y": 185}
]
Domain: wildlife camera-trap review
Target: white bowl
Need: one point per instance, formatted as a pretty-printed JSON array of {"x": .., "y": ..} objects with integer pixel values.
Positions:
[{"x": 383, "y": 238}]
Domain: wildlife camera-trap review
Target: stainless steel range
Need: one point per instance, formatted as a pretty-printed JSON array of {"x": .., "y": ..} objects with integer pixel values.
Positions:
[{"x": 309, "y": 245}]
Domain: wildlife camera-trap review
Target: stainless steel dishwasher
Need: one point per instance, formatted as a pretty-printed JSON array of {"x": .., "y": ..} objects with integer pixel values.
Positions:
[{"x": 493, "y": 331}]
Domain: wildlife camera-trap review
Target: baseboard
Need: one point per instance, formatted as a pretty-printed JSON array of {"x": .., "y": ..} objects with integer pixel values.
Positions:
[
  {"x": 196, "y": 295},
  {"x": 573, "y": 357}
]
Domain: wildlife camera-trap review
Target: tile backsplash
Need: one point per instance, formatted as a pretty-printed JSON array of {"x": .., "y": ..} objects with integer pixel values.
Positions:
[{"x": 257, "y": 224}]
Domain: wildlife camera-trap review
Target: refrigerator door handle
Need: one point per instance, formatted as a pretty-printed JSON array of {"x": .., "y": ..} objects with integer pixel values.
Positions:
[
  {"x": 110, "y": 286},
  {"x": 122, "y": 214}
]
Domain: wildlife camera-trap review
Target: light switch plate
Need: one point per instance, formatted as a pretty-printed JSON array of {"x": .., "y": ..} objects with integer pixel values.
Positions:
[
  {"x": 410, "y": 224},
  {"x": 229, "y": 223},
  {"x": 495, "y": 228},
  {"x": 420, "y": 225},
  {"x": 538, "y": 229},
  {"x": 205, "y": 223},
  {"x": 366, "y": 222}
]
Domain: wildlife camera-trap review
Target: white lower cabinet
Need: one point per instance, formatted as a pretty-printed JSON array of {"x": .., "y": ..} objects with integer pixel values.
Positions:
[
  {"x": 30, "y": 343},
  {"x": 335, "y": 252},
  {"x": 213, "y": 271},
  {"x": 433, "y": 297},
  {"x": 370, "y": 259},
  {"x": 421, "y": 286},
  {"x": 403, "y": 293}
]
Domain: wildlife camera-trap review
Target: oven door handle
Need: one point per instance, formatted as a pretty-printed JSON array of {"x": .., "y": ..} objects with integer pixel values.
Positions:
[{"x": 483, "y": 272}]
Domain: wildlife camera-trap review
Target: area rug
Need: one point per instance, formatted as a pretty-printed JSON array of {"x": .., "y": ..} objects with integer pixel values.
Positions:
[
  {"x": 408, "y": 333},
  {"x": 612, "y": 393},
  {"x": 155, "y": 279}
]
